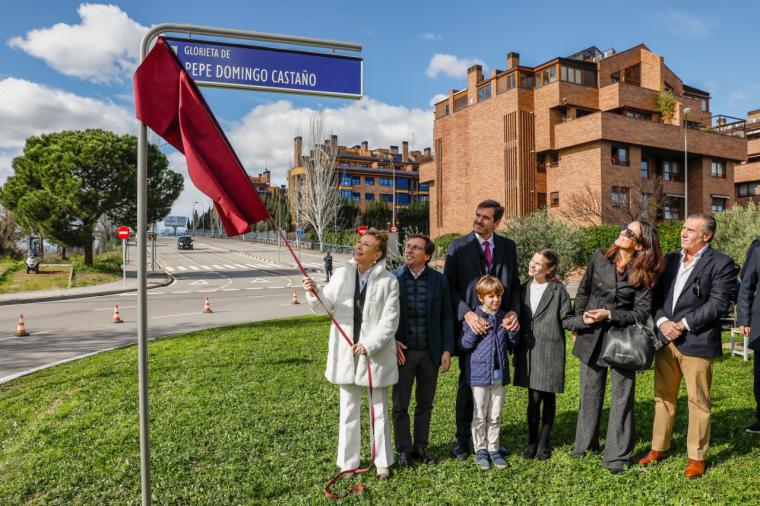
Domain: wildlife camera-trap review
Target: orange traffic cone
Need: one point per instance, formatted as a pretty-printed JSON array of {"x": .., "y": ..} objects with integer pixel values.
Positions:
[
  {"x": 20, "y": 330},
  {"x": 207, "y": 307},
  {"x": 116, "y": 317},
  {"x": 294, "y": 299}
]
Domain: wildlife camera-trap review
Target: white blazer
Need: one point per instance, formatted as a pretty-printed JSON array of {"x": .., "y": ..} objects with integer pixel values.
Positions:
[{"x": 379, "y": 322}]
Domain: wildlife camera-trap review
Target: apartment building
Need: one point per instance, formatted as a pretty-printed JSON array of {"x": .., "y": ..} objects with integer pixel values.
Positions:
[
  {"x": 747, "y": 175},
  {"x": 263, "y": 184},
  {"x": 583, "y": 136},
  {"x": 369, "y": 175}
]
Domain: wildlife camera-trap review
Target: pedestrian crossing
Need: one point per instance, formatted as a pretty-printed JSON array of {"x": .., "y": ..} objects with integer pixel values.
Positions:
[{"x": 222, "y": 267}]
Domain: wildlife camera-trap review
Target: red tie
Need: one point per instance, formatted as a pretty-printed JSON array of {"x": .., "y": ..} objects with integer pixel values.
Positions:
[{"x": 487, "y": 252}]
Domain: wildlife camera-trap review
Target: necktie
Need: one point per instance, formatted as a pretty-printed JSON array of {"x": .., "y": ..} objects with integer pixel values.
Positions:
[{"x": 487, "y": 253}]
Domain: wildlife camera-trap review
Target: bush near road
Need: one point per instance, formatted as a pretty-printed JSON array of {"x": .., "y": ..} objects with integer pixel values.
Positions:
[{"x": 243, "y": 415}]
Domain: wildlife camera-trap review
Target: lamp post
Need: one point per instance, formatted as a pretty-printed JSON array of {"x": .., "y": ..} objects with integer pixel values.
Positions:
[
  {"x": 195, "y": 217},
  {"x": 686, "y": 111}
]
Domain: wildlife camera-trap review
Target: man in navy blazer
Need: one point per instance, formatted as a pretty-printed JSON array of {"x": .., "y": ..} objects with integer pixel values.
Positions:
[
  {"x": 695, "y": 289},
  {"x": 748, "y": 318},
  {"x": 469, "y": 258}
]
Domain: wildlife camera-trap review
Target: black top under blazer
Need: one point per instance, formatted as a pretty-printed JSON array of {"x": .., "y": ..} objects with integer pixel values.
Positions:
[
  {"x": 715, "y": 275},
  {"x": 466, "y": 264},
  {"x": 603, "y": 288},
  {"x": 540, "y": 355},
  {"x": 748, "y": 303}
]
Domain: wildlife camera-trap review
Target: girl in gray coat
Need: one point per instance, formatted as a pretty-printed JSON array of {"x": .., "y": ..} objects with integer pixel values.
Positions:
[{"x": 540, "y": 356}]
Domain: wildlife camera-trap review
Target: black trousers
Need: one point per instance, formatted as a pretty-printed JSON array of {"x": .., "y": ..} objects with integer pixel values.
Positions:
[
  {"x": 756, "y": 368},
  {"x": 418, "y": 366},
  {"x": 464, "y": 407},
  {"x": 535, "y": 399}
]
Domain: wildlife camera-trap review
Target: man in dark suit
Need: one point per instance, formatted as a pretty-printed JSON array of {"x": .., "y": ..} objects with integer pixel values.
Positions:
[
  {"x": 752, "y": 247},
  {"x": 424, "y": 342},
  {"x": 695, "y": 289},
  {"x": 748, "y": 309},
  {"x": 469, "y": 258}
]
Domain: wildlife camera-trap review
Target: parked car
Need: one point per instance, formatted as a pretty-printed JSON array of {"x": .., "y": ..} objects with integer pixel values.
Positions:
[{"x": 185, "y": 242}]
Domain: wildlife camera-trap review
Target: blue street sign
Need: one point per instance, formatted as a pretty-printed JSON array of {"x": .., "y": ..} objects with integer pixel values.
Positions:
[
  {"x": 270, "y": 69},
  {"x": 300, "y": 234}
]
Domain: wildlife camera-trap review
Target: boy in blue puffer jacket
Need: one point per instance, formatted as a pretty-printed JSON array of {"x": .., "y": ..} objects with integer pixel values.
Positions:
[{"x": 487, "y": 371}]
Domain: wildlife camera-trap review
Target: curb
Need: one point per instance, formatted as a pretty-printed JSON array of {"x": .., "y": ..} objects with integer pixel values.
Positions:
[{"x": 64, "y": 296}]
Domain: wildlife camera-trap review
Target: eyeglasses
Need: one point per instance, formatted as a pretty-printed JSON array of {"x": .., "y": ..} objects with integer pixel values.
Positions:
[{"x": 628, "y": 233}]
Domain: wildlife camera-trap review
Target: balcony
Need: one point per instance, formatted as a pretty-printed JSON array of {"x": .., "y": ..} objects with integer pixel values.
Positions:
[
  {"x": 614, "y": 127},
  {"x": 617, "y": 95}
]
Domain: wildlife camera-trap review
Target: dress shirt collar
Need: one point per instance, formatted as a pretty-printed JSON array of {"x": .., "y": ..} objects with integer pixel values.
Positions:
[
  {"x": 481, "y": 240},
  {"x": 696, "y": 256}
]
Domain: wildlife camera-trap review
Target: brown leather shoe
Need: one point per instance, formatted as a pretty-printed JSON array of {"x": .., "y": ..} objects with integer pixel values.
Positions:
[
  {"x": 652, "y": 457},
  {"x": 695, "y": 469}
]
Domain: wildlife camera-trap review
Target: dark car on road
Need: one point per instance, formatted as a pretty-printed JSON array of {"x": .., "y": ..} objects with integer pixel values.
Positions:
[{"x": 185, "y": 242}]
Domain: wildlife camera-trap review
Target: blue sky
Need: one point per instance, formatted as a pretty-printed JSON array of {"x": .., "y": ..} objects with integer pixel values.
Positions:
[{"x": 60, "y": 68}]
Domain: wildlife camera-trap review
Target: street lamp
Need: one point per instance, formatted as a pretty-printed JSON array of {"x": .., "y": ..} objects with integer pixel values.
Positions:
[
  {"x": 686, "y": 111},
  {"x": 195, "y": 217}
]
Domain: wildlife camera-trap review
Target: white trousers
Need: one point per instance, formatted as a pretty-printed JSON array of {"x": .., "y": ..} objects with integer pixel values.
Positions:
[
  {"x": 349, "y": 435},
  {"x": 486, "y": 416}
]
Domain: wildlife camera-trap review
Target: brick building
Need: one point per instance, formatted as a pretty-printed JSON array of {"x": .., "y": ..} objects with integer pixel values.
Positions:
[
  {"x": 262, "y": 184},
  {"x": 747, "y": 175},
  {"x": 581, "y": 135},
  {"x": 367, "y": 175}
]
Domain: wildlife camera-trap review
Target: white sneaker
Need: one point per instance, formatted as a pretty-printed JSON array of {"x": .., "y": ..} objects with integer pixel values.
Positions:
[{"x": 383, "y": 473}]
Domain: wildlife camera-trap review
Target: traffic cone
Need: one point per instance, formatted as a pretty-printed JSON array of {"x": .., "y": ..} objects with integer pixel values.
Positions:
[
  {"x": 20, "y": 330},
  {"x": 207, "y": 307},
  {"x": 116, "y": 317},
  {"x": 294, "y": 299}
]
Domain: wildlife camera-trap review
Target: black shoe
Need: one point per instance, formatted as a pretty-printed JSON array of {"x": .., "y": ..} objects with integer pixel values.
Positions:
[
  {"x": 504, "y": 451},
  {"x": 529, "y": 451},
  {"x": 616, "y": 470},
  {"x": 461, "y": 451},
  {"x": 404, "y": 459},
  {"x": 544, "y": 452},
  {"x": 754, "y": 428},
  {"x": 423, "y": 456}
]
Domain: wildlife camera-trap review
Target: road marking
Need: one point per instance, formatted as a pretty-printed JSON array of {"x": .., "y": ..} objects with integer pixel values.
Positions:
[
  {"x": 231, "y": 289},
  {"x": 111, "y": 308},
  {"x": 199, "y": 282},
  {"x": 182, "y": 268},
  {"x": 170, "y": 269},
  {"x": 252, "y": 266},
  {"x": 172, "y": 315},
  {"x": 255, "y": 288},
  {"x": 207, "y": 291},
  {"x": 228, "y": 266},
  {"x": 182, "y": 291},
  {"x": 30, "y": 334},
  {"x": 205, "y": 267},
  {"x": 195, "y": 268},
  {"x": 241, "y": 266},
  {"x": 259, "y": 280},
  {"x": 217, "y": 267}
]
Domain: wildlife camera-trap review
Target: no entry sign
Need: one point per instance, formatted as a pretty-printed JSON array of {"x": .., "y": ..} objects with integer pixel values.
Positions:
[
  {"x": 123, "y": 233},
  {"x": 363, "y": 229}
]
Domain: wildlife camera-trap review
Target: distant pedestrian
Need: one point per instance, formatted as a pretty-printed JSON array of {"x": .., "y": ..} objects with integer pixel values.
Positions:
[
  {"x": 328, "y": 265},
  {"x": 540, "y": 356}
]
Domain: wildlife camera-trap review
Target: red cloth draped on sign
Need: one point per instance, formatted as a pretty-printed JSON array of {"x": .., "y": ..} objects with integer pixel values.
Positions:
[{"x": 168, "y": 101}]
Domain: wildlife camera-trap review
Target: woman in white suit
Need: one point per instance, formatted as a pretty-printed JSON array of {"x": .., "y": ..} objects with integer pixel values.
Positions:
[{"x": 363, "y": 296}]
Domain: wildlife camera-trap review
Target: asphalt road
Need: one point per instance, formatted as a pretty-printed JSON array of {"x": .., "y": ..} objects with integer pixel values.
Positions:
[{"x": 244, "y": 282}]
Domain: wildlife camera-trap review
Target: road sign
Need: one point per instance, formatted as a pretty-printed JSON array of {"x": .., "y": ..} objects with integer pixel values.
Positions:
[
  {"x": 363, "y": 229},
  {"x": 123, "y": 233},
  {"x": 394, "y": 229},
  {"x": 300, "y": 234},
  {"x": 270, "y": 69},
  {"x": 175, "y": 221}
]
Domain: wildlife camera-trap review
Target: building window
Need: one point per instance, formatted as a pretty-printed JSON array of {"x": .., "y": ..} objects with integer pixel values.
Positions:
[
  {"x": 746, "y": 189},
  {"x": 546, "y": 76},
  {"x": 345, "y": 194},
  {"x": 369, "y": 181},
  {"x": 356, "y": 180},
  {"x": 639, "y": 115},
  {"x": 387, "y": 197},
  {"x": 718, "y": 169},
  {"x": 541, "y": 199},
  {"x": 484, "y": 92},
  {"x": 424, "y": 186},
  {"x": 512, "y": 80},
  {"x": 386, "y": 181},
  {"x": 402, "y": 199},
  {"x": 615, "y": 76},
  {"x": 346, "y": 180},
  {"x": 632, "y": 75},
  {"x": 620, "y": 155},
  {"x": 571, "y": 74},
  {"x": 671, "y": 171},
  {"x": 355, "y": 196},
  {"x": 671, "y": 210},
  {"x": 554, "y": 199},
  {"x": 423, "y": 199},
  {"x": 526, "y": 80},
  {"x": 369, "y": 197},
  {"x": 620, "y": 196},
  {"x": 719, "y": 204},
  {"x": 644, "y": 169}
]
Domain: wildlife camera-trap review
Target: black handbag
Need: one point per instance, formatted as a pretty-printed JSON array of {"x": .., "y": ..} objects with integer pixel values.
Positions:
[{"x": 631, "y": 347}]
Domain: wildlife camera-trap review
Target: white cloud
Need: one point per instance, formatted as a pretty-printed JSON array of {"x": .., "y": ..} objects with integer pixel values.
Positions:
[
  {"x": 28, "y": 108},
  {"x": 6, "y": 159},
  {"x": 103, "y": 47},
  {"x": 450, "y": 65},
  {"x": 687, "y": 24},
  {"x": 437, "y": 98},
  {"x": 430, "y": 36}
]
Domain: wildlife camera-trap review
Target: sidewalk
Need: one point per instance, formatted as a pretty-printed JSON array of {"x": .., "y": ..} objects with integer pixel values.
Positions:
[{"x": 155, "y": 279}]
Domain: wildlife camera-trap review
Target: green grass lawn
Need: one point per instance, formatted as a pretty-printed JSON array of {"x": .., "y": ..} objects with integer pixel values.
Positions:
[
  {"x": 14, "y": 278},
  {"x": 243, "y": 415}
]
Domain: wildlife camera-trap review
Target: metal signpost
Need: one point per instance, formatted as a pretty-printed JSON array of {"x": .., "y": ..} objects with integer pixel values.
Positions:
[
  {"x": 320, "y": 81},
  {"x": 123, "y": 234}
]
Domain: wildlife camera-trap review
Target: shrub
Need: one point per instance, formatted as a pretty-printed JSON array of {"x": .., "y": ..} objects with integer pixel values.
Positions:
[
  {"x": 594, "y": 238},
  {"x": 536, "y": 231},
  {"x": 670, "y": 236},
  {"x": 738, "y": 226},
  {"x": 442, "y": 244}
]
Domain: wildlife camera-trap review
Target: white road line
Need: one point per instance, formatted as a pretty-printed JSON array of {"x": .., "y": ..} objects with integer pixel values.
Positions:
[
  {"x": 129, "y": 294},
  {"x": 193, "y": 267},
  {"x": 231, "y": 289},
  {"x": 30, "y": 334},
  {"x": 156, "y": 293},
  {"x": 172, "y": 315},
  {"x": 182, "y": 291},
  {"x": 217, "y": 267},
  {"x": 228, "y": 266},
  {"x": 111, "y": 308},
  {"x": 255, "y": 288},
  {"x": 240, "y": 265},
  {"x": 252, "y": 266},
  {"x": 207, "y": 290},
  {"x": 205, "y": 267},
  {"x": 170, "y": 269}
]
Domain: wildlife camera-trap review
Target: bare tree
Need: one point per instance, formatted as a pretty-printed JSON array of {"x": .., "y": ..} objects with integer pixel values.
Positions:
[
  {"x": 9, "y": 231},
  {"x": 584, "y": 207},
  {"x": 317, "y": 197},
  {"x": 644, "y": 201}
]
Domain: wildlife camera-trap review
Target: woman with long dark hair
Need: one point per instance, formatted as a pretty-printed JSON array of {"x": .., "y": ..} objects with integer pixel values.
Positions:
[{"x": 615, "y": 291}]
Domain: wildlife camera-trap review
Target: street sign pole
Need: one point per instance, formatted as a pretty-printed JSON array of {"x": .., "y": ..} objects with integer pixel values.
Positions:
[
  {"x": 142, "y": 212},
  {"x": 124, "y": 261}
]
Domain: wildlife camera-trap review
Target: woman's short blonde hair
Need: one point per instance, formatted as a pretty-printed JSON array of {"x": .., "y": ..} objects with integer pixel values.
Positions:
[{"x": 487, "y": 285}]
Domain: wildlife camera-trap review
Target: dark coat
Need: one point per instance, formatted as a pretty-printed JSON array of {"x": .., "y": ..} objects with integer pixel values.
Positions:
[
  {"x": 715, "y": 275},
  {"x": 440, "y": 319},
  {"x": 465, "y": 265},
  {"x": 479, "y": 350},
  {"x": 752, "y": 247},
  {"x": 540, "y": 356},
  {"x": 602, "y": 288},
  {"x": 748, "y": 302}
]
